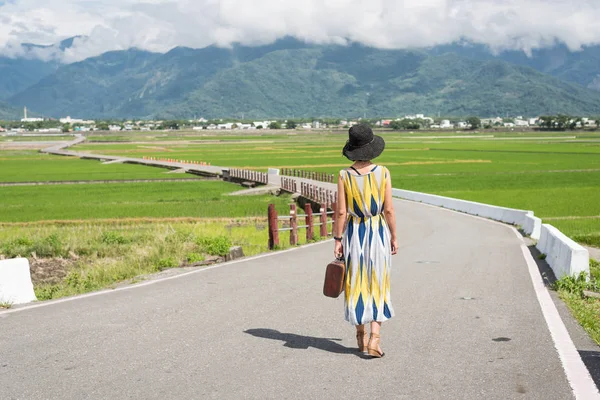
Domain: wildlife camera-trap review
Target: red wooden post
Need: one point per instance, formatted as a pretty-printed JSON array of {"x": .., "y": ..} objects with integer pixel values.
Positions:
[
  {"x": 309, "y": 222},
  {"x": 323, "y": 220},
  {"x": 273, "y": 227},
  {"x": 293, "y": 225},
  {"x": 333, "y": 217}
]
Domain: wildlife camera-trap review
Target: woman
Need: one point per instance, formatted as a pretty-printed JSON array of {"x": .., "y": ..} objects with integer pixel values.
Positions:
[{"x": 367, "y": 239}]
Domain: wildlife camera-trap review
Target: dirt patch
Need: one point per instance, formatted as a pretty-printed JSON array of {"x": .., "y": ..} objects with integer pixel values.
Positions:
[{"x": 49, "y": 270}]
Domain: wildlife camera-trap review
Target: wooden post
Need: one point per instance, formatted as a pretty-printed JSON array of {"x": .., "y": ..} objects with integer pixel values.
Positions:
[
  {"x": 293, "y": 225},
  {"x": 323, "y": 220},
  {"x": 309, "y": 222},
  {"x": 273, "y": 227}
]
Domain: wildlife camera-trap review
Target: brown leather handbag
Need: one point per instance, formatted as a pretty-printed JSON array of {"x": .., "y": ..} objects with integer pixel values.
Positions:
[{"x": 334, "y": 278}]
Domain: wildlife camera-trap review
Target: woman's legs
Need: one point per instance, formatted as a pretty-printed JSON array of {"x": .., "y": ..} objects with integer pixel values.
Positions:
[
  {"x": 362, "y": 338},
  {"x": 375, "y": 332},
  {"x": 375, "y": 327}
]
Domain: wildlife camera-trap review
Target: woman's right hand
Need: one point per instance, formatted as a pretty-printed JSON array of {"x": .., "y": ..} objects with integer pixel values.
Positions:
[
  {"x": 338, "y": 251},
  {"x": 394, "y": 244}
]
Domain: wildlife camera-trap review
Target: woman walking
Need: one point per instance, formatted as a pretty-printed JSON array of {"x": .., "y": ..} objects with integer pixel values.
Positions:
[{"x": 367, "y": 238}]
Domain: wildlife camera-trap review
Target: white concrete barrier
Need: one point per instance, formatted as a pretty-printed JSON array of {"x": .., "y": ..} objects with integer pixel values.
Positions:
[
  {"x": 15, "y": 282},
  {"x": 530, "y": 224},
  {"x": 565, "y": 257}
]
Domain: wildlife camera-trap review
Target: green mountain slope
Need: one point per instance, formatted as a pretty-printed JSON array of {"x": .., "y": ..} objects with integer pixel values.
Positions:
[
  {"x": 16, "y": 74},
  {"x": 291, "y": 79},
  {"x": 7, "y": 112}
]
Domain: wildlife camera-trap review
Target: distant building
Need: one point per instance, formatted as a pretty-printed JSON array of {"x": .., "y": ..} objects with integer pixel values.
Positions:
[
  {"x": 462, "y": 125},
  {"x": 25, "y": 119},
  {"x": 262, "y": 124},
  {"x": 316, "y": 124},
  {"x": 533, "y": 121},
  {"x": 114, "y": 128},
  {"x": 491, "y": 121},
  {"x": 509, "y": 125},
  {"x": 521, "y": 122},
  {"x": 446, "y": 124},
  {"x": 69, "y": 120},
  {"x": 2, "y": 129}
]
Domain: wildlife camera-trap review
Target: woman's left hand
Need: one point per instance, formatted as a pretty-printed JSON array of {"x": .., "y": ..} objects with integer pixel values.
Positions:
[{"x": 338, "y": 251}]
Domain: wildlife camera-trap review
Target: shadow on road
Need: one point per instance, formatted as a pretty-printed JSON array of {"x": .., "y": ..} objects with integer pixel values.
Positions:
[
  {"x": 294, "y": 341},
  {"x": 545, "y": 270},
  {"x": 591, "y": 359}
]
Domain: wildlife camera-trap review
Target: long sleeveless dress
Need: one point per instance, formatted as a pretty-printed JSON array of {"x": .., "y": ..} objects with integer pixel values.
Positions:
[{"x": 367, "y": 248}]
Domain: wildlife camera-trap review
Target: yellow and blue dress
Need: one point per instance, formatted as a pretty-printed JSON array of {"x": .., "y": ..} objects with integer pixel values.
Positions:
[{"x": 367, "y": 248}]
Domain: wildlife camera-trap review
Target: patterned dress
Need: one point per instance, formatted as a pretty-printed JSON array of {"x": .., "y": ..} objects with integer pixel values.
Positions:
[{"x": 367, "y": 248}]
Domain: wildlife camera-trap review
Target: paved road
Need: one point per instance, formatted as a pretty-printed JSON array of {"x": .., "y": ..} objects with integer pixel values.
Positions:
[{"x": 261, "y": 329}]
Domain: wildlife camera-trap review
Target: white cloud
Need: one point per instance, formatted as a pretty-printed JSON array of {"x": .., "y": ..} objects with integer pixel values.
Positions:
[{"x": 160, "y": 25}]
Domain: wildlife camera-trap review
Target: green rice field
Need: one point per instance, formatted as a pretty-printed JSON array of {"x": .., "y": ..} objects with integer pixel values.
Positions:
[
  {"x": 32, "y": 166},
  {"x": 197, "y": 199},
  {"x": 557, "y": 175}
]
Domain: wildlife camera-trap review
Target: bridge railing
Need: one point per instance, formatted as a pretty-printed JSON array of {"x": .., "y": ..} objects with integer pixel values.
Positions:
[
  {"x": 315, "y": 176},
  {"x": 249, "y": 175},
  {"x": 173, "y": 160},
  {"x": 317, "y": 193}
]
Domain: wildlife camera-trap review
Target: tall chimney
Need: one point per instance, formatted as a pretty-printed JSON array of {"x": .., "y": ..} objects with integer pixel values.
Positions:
[{"x": 25, "y": 113}]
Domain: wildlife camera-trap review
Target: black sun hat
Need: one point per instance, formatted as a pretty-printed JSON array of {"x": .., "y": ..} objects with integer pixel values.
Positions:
[{"x": 362, "y": 144}]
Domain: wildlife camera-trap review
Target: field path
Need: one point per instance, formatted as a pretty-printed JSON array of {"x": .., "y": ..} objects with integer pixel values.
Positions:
[{"x": 468, "y": 326}]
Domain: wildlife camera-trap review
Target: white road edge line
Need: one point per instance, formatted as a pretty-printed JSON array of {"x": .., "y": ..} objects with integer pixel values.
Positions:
[
  {"x": 576, "y": 372},
  {"x": 152, "y": 282}
]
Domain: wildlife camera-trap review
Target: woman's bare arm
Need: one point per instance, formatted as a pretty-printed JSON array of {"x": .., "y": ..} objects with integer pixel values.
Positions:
[
  {"x": 340, "y": 218},
  {"x": 341, "y": 212},
  {"x": 390, "y": 213}
]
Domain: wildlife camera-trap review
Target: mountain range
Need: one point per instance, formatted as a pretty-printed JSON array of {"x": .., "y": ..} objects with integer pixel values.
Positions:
[{"x": 290, "y": 78}]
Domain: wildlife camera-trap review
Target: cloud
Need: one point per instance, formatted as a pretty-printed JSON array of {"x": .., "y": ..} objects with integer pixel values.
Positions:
[{"x": 160, "y": 25}]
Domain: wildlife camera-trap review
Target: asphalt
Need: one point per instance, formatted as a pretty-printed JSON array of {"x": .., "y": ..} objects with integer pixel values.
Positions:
[{"x": 467, "y": 326}]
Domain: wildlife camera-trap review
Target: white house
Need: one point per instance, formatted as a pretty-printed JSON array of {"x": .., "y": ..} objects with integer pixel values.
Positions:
[
  {"x": 262, "y": 124},
  {"x": 227, "y": 126},
  {"x": 114, "y": 128},
  {"x": 491, "y": 121},
  {"x": 533, "y": 121},
  {"x": 446, "y": 124},
  {"x": 69, "y": 120},
  {"x": 521, "y": 122},
  {"x": 462, "y": 125},
  {"x": 509, "y": 125}
]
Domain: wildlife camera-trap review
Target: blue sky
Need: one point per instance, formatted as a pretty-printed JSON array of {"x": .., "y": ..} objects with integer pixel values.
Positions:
[{"x": 160, "y": 25}]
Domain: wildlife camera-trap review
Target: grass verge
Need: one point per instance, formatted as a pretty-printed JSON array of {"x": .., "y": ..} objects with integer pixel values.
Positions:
[
  {"x": 75, "y": 259},
  {"x": 585, "y": 309}
]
